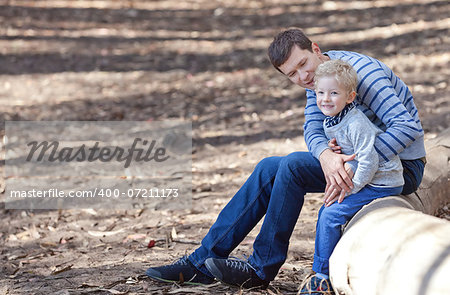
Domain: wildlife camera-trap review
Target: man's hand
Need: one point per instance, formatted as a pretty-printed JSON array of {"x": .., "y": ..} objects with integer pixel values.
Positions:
[
  {"x": 338, "y": 177},
  {"x": 332, "y": 144},
  {"x": 339, "y": 197}
]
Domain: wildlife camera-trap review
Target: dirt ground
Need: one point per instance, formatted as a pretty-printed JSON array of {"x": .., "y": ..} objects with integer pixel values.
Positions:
[{"x": 202, "y": 61}]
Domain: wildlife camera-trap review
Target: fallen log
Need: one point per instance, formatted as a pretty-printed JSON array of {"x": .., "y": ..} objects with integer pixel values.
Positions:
[{"x": 393, "y": 245}]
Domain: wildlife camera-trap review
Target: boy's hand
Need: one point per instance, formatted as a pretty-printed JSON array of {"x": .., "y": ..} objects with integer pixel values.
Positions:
[
  {"x": 332, "y": 144},
  {"x": 336, "y": 175}
]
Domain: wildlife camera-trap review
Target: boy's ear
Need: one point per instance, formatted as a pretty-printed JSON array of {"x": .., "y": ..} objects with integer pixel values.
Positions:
[{"x": 351, "y": 96}]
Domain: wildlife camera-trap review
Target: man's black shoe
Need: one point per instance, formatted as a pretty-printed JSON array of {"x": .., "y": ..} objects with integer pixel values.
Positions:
[
  {"x": 235, "y": 272},
  {"x": 181, "y": 271}
]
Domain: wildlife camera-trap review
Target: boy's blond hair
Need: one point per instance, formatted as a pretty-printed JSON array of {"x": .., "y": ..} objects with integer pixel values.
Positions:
[{"x": 343, "y": 72}]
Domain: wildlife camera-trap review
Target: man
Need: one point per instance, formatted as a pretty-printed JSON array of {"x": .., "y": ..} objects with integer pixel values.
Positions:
[{"x": 277, "y": 186}]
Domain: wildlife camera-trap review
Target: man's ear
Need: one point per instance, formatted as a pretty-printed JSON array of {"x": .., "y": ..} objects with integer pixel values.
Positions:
[
  {"x": 351, "y": 96},
  {"x": 315, "y": 48}
]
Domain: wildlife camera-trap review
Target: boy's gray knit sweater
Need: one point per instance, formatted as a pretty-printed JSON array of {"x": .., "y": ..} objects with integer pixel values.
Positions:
[{"x": 355, "y": 134}]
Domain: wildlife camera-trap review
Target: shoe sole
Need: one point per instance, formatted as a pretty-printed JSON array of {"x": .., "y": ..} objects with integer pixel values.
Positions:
[{"x": 159, "y": 279}]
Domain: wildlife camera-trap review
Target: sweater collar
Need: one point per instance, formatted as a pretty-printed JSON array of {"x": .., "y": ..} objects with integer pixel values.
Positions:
[{"x": 334, "y": 120}]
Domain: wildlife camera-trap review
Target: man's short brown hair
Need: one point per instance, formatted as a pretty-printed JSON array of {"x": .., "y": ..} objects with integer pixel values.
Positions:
[{"x": 281, "y": 46}]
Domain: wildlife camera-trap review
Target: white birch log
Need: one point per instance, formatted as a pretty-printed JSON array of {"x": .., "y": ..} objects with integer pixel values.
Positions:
[{"x": 390, "y": 247}]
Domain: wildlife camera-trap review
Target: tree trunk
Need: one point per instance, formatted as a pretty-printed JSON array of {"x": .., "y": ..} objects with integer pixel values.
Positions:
[{"x": 392, "y": 245}]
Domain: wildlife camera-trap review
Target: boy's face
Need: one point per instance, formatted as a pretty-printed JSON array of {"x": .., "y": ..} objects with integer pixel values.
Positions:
[
  {"x": 301, "y": 65},
  {"x": 331, "y": 96}
]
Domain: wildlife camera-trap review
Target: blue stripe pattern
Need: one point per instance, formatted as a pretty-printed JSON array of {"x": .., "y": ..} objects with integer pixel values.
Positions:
[{"x": 383, "y": 98}]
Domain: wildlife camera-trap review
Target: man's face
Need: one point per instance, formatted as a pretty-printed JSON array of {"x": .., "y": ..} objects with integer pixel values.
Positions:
[
  {"x": 301, "y": 65},
  {"x": 331, "y": 96}
]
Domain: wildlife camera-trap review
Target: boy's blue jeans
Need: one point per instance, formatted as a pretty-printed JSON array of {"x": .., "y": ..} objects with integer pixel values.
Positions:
[
  {"x": 276, "y": 188},
  {"x": 330, "y": 220}
]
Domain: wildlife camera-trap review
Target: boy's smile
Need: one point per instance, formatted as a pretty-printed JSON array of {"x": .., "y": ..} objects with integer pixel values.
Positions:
[{"x": 331, "y": 96}]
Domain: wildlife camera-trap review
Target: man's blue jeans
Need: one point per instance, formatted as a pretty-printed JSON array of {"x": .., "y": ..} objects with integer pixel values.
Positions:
[{"x": 276, "y": 188}]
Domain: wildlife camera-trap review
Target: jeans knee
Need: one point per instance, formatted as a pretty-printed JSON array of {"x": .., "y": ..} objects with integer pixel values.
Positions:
[
  {"x": 268, "y": 165},
  {"x": 330, "y": 216},
  {"x": 289, "y": 162}
]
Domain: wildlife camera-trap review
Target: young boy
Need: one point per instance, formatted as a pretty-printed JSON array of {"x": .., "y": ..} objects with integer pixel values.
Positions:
[{"x": 335, "y": 88}]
